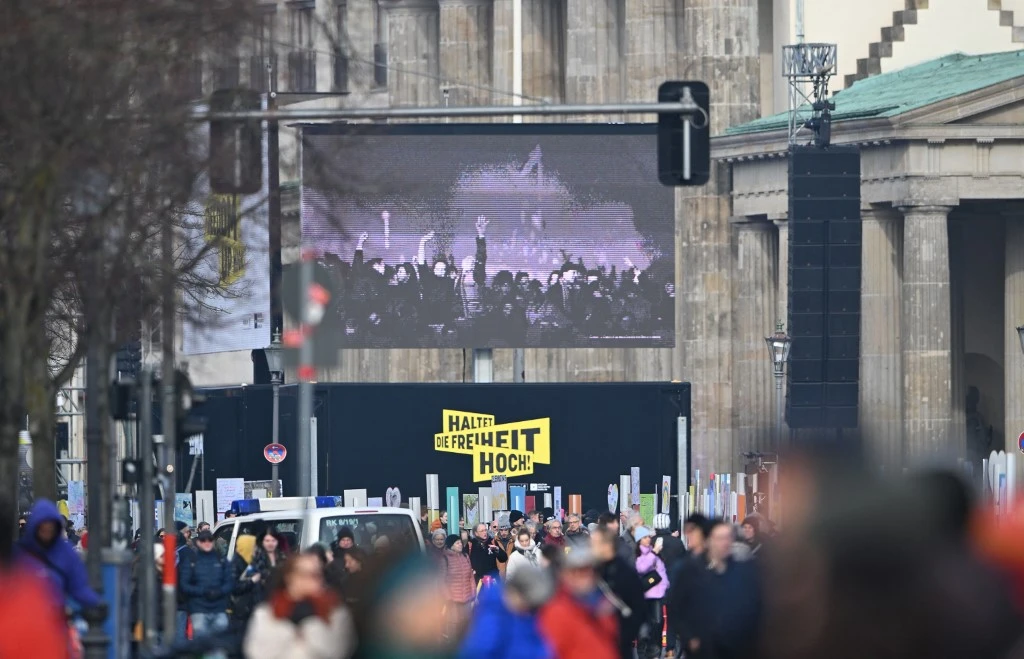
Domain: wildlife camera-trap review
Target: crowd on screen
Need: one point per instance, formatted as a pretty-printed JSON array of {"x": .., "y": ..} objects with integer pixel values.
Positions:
[{"x": 445, "y": 303}]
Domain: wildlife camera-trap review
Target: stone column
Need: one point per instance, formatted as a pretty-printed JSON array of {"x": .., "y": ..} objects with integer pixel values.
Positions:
[
  {"x": 958, "y": 367},
  {"x": 1014, "y": 316},
  {"x": 754, "y": 271},
  {"x": 720, "y": 47},
  {"x": 465, "y": 51},
  {"x": 652, "y": 39},
  {"x": 926, "y": 335},
  {"x": 413, "y": 43},
  {"x": 593, "y": 52},
  {"x": 881, "y": 373},
  {"x": 543, "y": 50}
]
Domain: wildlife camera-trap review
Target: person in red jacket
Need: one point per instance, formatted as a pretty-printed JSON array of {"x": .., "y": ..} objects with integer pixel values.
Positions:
[
  {"x": 32, "y": 622},
  {"x": 580, "y": 622}
]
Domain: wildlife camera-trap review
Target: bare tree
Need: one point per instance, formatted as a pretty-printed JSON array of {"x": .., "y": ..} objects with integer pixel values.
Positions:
[{"x": 97, "y": 155}]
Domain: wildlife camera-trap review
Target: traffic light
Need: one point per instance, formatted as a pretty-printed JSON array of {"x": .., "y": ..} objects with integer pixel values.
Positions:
[
  {"x": 684, "y": 139},
  {"x": 236, "y": 147},
  {"x": 129, "y": 359},
  {"x": 188, "y": 414},
  {"x": 189, "y": 418}
]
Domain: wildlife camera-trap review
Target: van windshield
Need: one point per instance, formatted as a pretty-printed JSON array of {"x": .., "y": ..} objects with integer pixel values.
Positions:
[{"x": 368, "y": 528}]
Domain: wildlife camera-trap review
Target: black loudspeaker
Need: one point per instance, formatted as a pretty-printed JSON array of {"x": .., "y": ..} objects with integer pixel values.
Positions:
[{"x": 824, "y": 287}]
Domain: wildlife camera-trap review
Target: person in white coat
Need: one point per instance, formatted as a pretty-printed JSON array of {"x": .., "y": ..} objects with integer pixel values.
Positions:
[
  {"x": 301, "y": 618},
  {"x": 526, "y": 553}
]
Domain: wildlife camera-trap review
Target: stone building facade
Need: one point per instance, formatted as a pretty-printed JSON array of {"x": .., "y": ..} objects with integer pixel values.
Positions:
[
  {"x": 942, "y": 194},
  {"x": 730, "y": 281}
]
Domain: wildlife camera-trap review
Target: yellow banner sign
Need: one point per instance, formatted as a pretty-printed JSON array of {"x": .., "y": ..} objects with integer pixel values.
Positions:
[{"x": 498, "y": 449}]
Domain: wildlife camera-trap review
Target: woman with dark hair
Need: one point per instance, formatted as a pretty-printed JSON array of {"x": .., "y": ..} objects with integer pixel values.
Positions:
[
  {"x": 301, "y": 619},
  {"x": 252, "y": 580}
]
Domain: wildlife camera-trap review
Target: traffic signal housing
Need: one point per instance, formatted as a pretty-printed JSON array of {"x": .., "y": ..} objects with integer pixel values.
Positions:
[{"x": 684, "y": 139}]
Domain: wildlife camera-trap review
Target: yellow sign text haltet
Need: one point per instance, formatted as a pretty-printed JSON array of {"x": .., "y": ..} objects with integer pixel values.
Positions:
[{"x": 498, "y": 449}]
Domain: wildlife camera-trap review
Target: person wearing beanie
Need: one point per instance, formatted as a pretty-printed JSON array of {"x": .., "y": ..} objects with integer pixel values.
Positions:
[
  {"x": 516, "y": 519},
  {"x": 654, "y": 576}
]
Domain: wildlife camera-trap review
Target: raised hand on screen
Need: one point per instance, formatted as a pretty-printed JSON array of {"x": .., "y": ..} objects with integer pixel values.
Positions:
[
  {"x": 427, "y": 238},
  {"x": 386, "y": 216},
  {"x": 481, "y": 226},
  {"x": 362, "y": 240}
]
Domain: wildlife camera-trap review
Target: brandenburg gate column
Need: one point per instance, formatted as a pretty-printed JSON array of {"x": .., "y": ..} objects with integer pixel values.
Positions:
[
  {"x": 881, "y": 372},
  {"x": 927, "y": 335}
]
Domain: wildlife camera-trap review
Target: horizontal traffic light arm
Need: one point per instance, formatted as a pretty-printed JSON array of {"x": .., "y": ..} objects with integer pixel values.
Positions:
[{"x": 688, "y": 107}]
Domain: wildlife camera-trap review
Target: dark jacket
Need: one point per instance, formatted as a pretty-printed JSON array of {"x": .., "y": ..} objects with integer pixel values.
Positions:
[
  {"x": 624, "y": 582},
  {"x": 484, "y": 557},
  {"x": 673, "y": 552},
  {"x": 58, "y": 563},
  {"x": 207, "y": 580},
  {"x": 720, "y": 609},
  {"x": 182, "y": 555}
]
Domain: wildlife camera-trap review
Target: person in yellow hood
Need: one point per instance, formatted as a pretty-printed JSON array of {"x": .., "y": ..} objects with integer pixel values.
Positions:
[{"x": 243, "y": 599}]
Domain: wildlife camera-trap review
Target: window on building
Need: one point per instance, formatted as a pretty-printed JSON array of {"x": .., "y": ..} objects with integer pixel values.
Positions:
[
  {"x": 341, "y": 45},
  {"x": 225, "y": 64},
  {"x": 302, "y": 58},
  {"x": 380, "y": 45},
  {"x": 263, "y": 62}
]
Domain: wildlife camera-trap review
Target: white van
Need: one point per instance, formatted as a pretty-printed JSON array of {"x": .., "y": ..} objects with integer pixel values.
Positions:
[{"x": 302, "y": 527}]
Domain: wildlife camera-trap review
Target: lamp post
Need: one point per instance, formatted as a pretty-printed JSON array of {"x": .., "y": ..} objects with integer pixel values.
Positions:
[
  {"x": 778, "y": 351},
  {"x": 274, "y": 359}
]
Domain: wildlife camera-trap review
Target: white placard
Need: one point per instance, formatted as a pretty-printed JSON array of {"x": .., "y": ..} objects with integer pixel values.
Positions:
[
  {"x": 205, "y": 511},
  {"x": 355, "y": 498},
  {"x": 485, "y": 503},
  {"x": 433, "y": 494},
  {"x": 557, "y": 504},
  {"x": 624, "y": 493},
  {"x": 415, "y": 505},
  {"x": 666, "y": 494},
  {"x": 499, "y": 493},
  {"x": 375, "y": 502},
  {"x": 634, "y": 484},
  {"x": 228, "y": 490}
]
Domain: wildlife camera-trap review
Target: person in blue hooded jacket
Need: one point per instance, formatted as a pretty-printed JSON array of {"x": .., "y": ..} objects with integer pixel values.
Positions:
[
  {"x": 44, "y": 548},
  {"x": 504, "y": 624}
]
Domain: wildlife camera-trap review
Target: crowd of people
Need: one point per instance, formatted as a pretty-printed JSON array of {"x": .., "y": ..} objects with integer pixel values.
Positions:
[
  {"x": 447, "y": 303},
  {"x": 906, "y": 570},
  {"x": 602, "y": 586}
]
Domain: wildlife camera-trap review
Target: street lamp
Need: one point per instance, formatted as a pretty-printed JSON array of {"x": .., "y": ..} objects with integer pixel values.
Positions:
[
  {"x": 275, "y": 359},
  {"x": 778, "y": 351}
]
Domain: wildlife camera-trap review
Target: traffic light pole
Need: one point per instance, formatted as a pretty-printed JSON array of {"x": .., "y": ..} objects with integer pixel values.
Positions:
[
  {"x": 167, "y": 415},
  {"x": 144, "y": 415}
]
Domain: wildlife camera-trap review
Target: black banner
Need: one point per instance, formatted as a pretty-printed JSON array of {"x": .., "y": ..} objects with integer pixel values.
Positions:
[{"x": 581, "y": 437}]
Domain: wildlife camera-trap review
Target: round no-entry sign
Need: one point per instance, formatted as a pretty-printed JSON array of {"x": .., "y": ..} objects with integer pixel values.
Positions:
[
  {"x": 275, "y": 453},
  {"x": 1020, "y": 442}
]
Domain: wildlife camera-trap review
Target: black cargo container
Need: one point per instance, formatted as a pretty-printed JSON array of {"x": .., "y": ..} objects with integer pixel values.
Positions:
[{"x": 376, "y": 436}]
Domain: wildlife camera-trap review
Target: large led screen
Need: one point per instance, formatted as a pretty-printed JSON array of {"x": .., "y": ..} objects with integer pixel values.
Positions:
[{"x": 491, "y": 235}]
